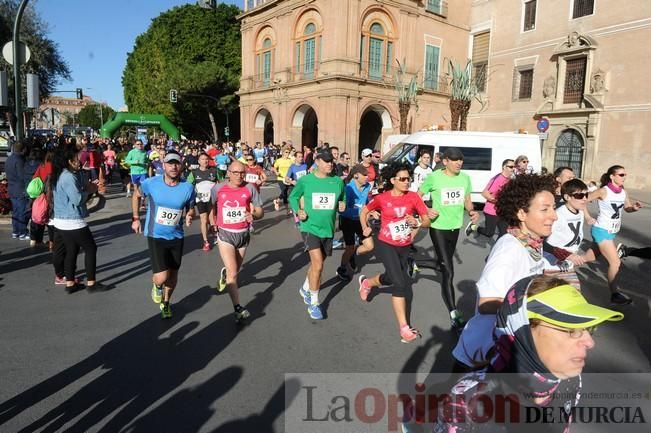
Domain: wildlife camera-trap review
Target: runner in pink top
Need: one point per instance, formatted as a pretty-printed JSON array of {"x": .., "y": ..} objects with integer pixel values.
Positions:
[
  {"x": 494, "y": 186},
  {"x": 236, "y": 204},
  {"x": 397, "y": 207}
]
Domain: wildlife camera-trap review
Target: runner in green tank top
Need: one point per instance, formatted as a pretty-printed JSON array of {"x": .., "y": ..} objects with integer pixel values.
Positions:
[{"x": 316, "y": 199}]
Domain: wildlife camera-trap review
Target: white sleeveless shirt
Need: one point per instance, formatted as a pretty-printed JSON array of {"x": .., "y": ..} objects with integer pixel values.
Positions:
[{"x": 610, "y": 210}]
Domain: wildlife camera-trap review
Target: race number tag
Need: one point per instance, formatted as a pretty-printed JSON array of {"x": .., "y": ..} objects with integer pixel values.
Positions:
[
  {"x": 300, "y": 174},
  {"x": 452, "y": 196},
  {"x": 614, "y": 225},
  {"x": 399, "y": 230},
  {"x": 203, "y": 191},
  {"x": 234, "y": 215},
  {"x": 323, "y": 201},
  {"x": 168, "y": 217},
  {"x": 251, "y": 177}
]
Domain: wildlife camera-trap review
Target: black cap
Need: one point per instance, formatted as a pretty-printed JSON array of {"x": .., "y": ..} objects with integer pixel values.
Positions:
[
  {"x": 453, "y": 154},
  {"x": 359, "y": 168},
  {"x": 325, "y": 155}
]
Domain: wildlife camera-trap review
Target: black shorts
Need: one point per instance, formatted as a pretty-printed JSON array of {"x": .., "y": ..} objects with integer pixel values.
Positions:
[
  {"x": 313, "y": 243},
  {"x": 350, "y": 228},
  {"x": 237, "y": 239},
  {"x": 165, "y": 254},
  {"x": 203, "y": 207}
]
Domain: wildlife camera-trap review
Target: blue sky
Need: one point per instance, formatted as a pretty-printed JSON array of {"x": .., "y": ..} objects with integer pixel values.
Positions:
[{"x": 94, "y": 37}]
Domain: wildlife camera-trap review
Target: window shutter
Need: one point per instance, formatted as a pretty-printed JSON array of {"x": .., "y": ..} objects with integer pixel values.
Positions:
[
  {"x": 431, "y": 66},
  {"x": 530, "y": 15},
  {"x": 480, "y": 46}
]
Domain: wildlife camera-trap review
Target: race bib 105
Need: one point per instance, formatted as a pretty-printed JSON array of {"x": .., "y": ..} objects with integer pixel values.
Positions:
[{"x": 452, "y": 196}]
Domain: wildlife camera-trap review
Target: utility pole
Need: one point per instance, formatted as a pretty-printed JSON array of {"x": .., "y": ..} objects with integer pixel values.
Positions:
[{"x": 17, "y": 61}]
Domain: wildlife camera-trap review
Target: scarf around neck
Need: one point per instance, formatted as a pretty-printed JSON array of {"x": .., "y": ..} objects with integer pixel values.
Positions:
[{"x": 532, "y": 245}]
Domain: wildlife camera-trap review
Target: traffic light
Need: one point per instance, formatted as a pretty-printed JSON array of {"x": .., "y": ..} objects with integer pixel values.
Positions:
[
  {"x": 80, "y": 93},
  {"x": 227, "y": 131},
  {"x": 173, "y": 95}
]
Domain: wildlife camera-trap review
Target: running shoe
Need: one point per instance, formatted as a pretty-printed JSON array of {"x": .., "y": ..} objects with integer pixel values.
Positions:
[
  {"x": 14, "y": 236},
  {"x": 72, "y": 289},
  {"x": 342, "y": 273},
  {"x": 307, "y": 296},
  {"x": 206, "y": 246},
  {"x": 470, "y": 228},
  {"x": 165, "y": 310},
  {"x": 409, "y": 334},
  {"x": 24, "y": 237},
  {"x": 156, "y": 294},
  {"x": 337, "y": 244},
  {"x": 97, "y": 287},
  {"x": 276, "y": 204},
  {"x": 241, "y": 314},
  {"x": 128, "y": 194},
  {"x": 619, "y": 298},
  {"x": 315, "y": 311},
  {"x": 364, "y": 288},
  {"x": 456, "y": 320},
  {"x": 221, "y": 284},
  {"x": 412, "y": 267},
  {"x": 622, "y": 250},
  {"x": 59, "y": 281}
]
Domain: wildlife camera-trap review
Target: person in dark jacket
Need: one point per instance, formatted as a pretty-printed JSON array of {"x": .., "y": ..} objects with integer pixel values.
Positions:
[{"x": 15, "y": 168}]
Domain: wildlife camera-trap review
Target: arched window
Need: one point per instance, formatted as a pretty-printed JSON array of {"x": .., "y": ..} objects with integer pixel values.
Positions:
[
  {"x": 308, "y": 51},
  {"x": 263, "y": 62},
  {"x": 376, "y": 51}
]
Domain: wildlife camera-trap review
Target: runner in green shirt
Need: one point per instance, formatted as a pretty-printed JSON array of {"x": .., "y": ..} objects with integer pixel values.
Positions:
[
  {"x": 137, "y": 160},
  {"x": 450, "y": 193},
  {"x": 315, "y": 199}
]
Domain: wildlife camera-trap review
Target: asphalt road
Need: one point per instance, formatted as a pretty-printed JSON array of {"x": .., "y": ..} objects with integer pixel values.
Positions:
[{"x": 107, "y": 362}]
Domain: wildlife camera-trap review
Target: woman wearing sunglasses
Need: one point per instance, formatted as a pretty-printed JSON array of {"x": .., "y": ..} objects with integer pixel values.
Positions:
[
  {"x": 397, "y": 206},
  {"x": 612, "y": 199},
  {"x": 567, "y": 232}
]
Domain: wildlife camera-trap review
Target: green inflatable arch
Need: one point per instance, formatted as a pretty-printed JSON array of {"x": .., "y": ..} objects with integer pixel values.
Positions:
[{"x": 108, "y": 129}]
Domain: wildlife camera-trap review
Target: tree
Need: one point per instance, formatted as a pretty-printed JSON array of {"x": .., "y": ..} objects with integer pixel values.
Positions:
[
  {"x": 46, "y": 60},
  {"x": 406, "y": 95},
  {"x": 190, "y": 49},
  {"x": 463, "y": 90},
  {"x": 90, "y": 115}
]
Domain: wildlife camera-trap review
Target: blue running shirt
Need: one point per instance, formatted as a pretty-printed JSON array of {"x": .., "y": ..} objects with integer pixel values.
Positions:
[{"x": 166, "y": 207}]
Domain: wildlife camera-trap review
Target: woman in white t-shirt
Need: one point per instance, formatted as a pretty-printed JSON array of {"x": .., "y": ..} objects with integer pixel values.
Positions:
[
  {"x": 612, "y": 201},
  {"x": 526, "y": 204}
]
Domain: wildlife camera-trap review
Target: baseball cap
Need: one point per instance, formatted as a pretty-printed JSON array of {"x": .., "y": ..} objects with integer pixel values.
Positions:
[
  {"x": 172, "y": 155},
  {"x": 325, "y": 155},
  {"x": 359, "y": 168},
  {"x": 453, "y": 154},
  {"x": 367, "y": 152},
  {"x": 564, "y": 306}
]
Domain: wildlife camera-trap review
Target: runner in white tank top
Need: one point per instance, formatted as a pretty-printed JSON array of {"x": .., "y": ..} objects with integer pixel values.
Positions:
[{"x": 612, "y": 201}]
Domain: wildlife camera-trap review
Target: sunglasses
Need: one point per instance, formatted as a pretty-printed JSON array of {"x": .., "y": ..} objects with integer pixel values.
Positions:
[
  {"x": 403, "y": 179},
  {"x": 510, "y": 166},
  {"x": 621, "y": 174},
  {"x": 579, "y": 195},
  {"x": 367, "y": 156},
  {"x": 249, "y": 159}
]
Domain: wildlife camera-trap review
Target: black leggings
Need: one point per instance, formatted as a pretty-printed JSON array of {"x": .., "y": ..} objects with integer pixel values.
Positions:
[
  {"x": 284, "y": 192},
  {"x": 445, "y": 242},
  {"x": 491, "y": 222},
  {"x": 643, "y": 253},
  {"x": 66, "y": 250},
  {"x": 394, "y": 260}
]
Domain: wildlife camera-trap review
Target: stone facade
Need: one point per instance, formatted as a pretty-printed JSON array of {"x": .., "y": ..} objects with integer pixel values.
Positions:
[
  {"x": 52, "y": 111},
  {"x": 323, "y": 70},
  {"x": 581, "y": 64}
]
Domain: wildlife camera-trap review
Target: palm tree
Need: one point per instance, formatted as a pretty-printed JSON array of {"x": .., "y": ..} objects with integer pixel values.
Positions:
[
  {"x": 463, "y": 89},
  {"x": 406, "y": 95}
]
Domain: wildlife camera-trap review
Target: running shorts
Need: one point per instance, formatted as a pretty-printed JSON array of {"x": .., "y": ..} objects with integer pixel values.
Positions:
[
  {"x": 237, "y": 239},
  {"x": 137, "y": 179},
  {"x": 314, "y": 242},
  {"x": 203, "y": 207},
  {"x": 599, "y": 235},
  {"x": 350, "y": 228},
  {"x": 165, "y": 254}
]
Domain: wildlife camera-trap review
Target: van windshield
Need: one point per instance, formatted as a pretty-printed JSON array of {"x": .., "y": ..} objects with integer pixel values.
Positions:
[{"x": 401, "y": 152}]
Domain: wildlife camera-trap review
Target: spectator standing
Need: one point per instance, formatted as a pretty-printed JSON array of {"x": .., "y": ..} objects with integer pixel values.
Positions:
[{"x": 15, "y": 169}]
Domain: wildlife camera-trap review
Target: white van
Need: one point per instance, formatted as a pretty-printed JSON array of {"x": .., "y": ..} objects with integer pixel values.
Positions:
[{"x": 483, "y": 152}]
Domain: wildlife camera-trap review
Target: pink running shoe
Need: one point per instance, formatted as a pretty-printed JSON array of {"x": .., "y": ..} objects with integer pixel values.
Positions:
[
  {"x": 206, "y": 246},
  {"x": 409, "y": 334},
  {"x": 364, "y": 288}
]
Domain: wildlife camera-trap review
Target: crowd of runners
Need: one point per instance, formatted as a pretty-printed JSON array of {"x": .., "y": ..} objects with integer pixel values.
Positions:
[{"x": 539, "y": 219}]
